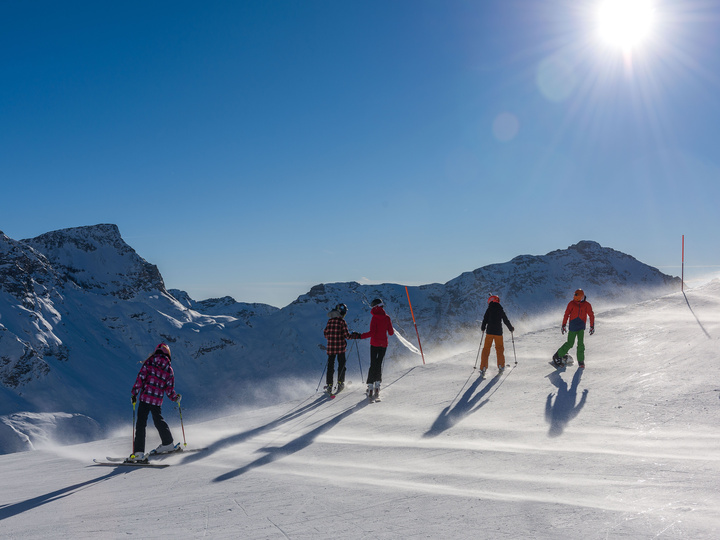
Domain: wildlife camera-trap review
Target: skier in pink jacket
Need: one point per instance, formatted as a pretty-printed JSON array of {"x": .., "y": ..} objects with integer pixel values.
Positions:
[{"x": 155, "y": 379}]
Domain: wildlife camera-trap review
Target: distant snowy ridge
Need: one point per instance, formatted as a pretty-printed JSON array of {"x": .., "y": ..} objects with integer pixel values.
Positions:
[{"x": 79, "y": 309}]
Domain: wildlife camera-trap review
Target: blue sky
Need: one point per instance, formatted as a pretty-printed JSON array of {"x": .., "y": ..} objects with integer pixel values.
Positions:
[{"x": 255, "y": 149}]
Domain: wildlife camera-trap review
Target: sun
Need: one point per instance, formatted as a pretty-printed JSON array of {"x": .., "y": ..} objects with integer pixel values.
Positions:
[{"x": 625, "y": 24}]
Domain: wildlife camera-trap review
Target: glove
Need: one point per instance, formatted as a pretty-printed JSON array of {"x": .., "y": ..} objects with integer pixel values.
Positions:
[
  {"x": 564, "y": 328},
  {"x": 178, "y": 398},
  {"x": 355, "y": 335},
  {"x": 592, "y": 330},
  {"x": 512, "y": 329},
  {"x": 133, "y": 399}
]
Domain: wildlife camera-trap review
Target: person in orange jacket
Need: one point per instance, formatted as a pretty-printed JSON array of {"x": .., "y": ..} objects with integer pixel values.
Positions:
[{"x": 577, "y": 312}]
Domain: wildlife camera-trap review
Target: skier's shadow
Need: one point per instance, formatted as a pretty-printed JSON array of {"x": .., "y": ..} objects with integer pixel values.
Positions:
[
  {"x": 564, "y": 409},
  {"x": 275, "y": 453},
  {"x": 467, "y": 405},
  {"x": 246, "y": 435},
  {"x": 10, "y": 510}
]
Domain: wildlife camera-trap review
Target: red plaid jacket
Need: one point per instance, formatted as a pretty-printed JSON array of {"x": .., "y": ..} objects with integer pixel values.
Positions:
[
  {"x": 156, "y": 378},
  {"x": 336, "y": 332}
]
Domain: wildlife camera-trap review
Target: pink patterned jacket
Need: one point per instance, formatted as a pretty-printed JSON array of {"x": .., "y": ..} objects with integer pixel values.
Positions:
[{"x": 156, "y": 378}]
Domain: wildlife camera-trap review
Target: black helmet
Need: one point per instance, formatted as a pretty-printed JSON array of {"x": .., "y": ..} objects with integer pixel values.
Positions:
[
  {"x": 376, "y": 302},
  {"x": 342, "y": 309}
]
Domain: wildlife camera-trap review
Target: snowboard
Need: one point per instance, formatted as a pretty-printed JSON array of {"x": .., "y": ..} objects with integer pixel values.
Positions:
[{"x": 567, "y": 361}]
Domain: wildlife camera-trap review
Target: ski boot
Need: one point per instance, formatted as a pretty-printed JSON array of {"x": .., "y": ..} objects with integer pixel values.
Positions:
[
  {"x": 340, "y": 387},
  {"x": 137, "y": 457},
  {"x": 376, "y": 393},
  {"x": 557, "y": 360},
  {"x": 165, "y": 449},
  {"x": 482, "y": 373},
  {"x": 501, "y": 369},
  {"x": 370, "y": 392},
  {"x": 328, "y": 389}
]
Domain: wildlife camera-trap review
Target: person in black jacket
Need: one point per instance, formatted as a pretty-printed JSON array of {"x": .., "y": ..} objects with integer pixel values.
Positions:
[{"x": 492, "y": 321}]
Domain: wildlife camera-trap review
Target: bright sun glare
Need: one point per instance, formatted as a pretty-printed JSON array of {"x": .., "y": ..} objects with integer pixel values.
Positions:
[{"x": 625, "y": 23}]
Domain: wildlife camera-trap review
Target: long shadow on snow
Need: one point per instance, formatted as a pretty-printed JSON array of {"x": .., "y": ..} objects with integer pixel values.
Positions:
[
  {"x": 467, "y": 405},
  {"x": 275, "y": 453},
  {"x": 696, "y": 317},
  {"x": 559, "y": 414},
  {"x": 10, "y": 510},
  {"x": 245, "y": 435}
]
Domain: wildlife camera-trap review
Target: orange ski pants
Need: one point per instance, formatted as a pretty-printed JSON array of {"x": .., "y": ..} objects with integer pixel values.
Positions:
[{"x": 499, "y": 350}]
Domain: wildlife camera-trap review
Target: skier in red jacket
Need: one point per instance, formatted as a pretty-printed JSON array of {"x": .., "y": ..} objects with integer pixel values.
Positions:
[
  {"x": 577, "y": 312},
  {"x": 380, "y": 328}
]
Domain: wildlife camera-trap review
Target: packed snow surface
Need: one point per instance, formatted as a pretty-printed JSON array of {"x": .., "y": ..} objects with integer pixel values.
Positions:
[{"x": 627, "y": 448}]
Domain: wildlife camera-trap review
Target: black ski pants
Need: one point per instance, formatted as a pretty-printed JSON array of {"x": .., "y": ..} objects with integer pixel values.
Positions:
[
  {"x": 145, "y": 409},
  {"x": 377, "y": 354},
  {"x": 331, "y": 368}
]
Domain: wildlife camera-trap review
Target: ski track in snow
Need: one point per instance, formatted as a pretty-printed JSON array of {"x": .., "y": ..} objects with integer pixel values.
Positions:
[{"x": 628, "y": 448}]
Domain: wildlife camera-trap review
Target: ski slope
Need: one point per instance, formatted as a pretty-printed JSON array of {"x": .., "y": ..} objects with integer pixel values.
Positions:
[{"x": 627, "y": 448}]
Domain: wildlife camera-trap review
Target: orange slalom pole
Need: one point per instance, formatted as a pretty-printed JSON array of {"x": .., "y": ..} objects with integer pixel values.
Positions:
[{"x": 416, "y": 330}]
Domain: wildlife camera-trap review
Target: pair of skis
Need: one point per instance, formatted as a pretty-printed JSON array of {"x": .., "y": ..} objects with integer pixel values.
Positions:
[
  {"x": 483, "y": 374},
  {"x": 125, "y": 462},
  {"x": 330, "y": 394}
]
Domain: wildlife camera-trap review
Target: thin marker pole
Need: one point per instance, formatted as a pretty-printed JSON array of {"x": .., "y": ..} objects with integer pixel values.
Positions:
[
  {"x": 416, "y": 329},
  {"x": 682, "y": 273}
]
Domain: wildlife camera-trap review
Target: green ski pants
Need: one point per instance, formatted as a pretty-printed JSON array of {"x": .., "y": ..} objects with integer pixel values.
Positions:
[{"x": 580, "y": 335}]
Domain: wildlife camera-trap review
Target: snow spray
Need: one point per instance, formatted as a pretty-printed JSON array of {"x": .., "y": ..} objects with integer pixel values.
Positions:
[{"x": 407, "y": 344}]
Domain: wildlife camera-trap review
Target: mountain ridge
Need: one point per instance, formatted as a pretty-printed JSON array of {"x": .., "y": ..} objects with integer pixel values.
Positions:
[{"x": 79, "y": 308}]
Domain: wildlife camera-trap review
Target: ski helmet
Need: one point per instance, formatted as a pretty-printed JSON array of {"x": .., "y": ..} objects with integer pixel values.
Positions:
[
  {"x": 579, "y": 295},
  {"x": 163, "y": 349},
  {"x": 494, "y": 298},
  {"x": 342, "y": 309},
  {"x": 376, "y": 302}
]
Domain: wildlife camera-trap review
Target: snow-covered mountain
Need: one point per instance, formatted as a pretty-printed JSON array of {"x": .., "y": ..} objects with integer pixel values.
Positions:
[
  {"x": 625, "y": 449},
  {"x": 79, "y": 309}
]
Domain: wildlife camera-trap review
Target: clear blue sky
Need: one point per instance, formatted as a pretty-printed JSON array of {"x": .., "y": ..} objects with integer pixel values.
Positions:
[{"x": 255, "y": 148}]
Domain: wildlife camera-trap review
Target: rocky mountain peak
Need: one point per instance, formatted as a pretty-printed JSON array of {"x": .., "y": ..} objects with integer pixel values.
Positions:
[{"x": 96, "y": 258}]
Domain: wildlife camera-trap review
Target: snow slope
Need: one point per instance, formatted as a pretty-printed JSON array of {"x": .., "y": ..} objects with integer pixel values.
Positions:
[{"x": 627, "y": 448}]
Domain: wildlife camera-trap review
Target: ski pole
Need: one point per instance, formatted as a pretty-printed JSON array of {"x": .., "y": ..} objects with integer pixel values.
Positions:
[
  {"x": 321, "y": 378},
  {"x": 479, "y": 347},
  {"x": 181, "y": 423},
  {"x": 133, "y": 430},
  {"x": 359, "y": 363},
  {"x": 512, "y": 336}
]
